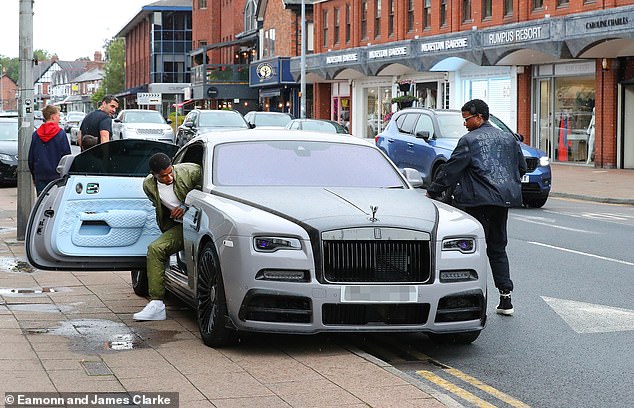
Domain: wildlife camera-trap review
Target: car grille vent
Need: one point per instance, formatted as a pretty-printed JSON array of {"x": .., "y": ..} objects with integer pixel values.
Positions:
[
  {"x": 377, "y": 261},
  {"x": 531, "y": 163},
  {"x": 150, "y": 131},
  {"x": 460, "y": 308},
  {"x": 375, "y": 314},
  {"x": 276, "y": 308}
]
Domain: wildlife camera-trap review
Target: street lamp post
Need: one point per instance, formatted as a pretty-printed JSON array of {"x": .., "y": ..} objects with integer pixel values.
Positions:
[{"x": 302, "y": 88}]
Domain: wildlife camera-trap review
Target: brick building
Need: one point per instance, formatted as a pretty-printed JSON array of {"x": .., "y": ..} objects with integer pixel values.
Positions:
[
  {"x": 549, "y": 68},
  {"x": 8, "y": 93}
]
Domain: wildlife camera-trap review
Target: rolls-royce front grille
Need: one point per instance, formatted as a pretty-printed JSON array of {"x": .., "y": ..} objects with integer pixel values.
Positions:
[{"x": 377, "y": 261}]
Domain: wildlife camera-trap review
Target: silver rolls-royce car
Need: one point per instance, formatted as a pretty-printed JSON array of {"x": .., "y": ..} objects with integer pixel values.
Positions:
[{"x": 292, "y": 232}]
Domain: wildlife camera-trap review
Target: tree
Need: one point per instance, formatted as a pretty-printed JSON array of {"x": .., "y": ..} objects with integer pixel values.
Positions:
[
  {"x": 114, "y": 68},
  {"x": 11, "y": 67},
  {"x": 41, "y": 55}
]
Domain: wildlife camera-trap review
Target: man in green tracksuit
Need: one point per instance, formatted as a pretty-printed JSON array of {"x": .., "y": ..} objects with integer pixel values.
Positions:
[{"x": 166, "y": 186}]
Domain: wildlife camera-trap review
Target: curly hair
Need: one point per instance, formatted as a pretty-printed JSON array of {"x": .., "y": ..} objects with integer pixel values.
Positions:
[{"x": 476, "y": 107}]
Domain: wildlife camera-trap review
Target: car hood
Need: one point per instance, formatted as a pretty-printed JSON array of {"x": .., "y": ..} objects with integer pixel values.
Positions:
[
  {"x": 145, "y": 126},
  {"x": 337, "y": 207},
  {"x": 9, "y": 147},
  {"x": 530, "y": 151}
]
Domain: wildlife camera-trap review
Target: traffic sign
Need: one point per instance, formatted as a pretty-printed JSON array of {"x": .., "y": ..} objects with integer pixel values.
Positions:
[{"x": 149, "y": 98}]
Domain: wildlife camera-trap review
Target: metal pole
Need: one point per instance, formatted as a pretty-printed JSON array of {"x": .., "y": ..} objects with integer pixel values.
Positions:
[
  {"x": 302, "y": 89},
  {"x": 25, "y": 116}
]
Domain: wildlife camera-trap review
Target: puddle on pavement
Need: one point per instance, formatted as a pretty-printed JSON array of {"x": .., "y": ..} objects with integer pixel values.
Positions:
[
  {"x": 39, "y": 307},
  {"x": 12, "y": 265},
  {"x": 99, "y": 336}
]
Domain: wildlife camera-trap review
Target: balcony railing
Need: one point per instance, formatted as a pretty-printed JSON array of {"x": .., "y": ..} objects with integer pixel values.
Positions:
[{"x": 220, "y": 73}]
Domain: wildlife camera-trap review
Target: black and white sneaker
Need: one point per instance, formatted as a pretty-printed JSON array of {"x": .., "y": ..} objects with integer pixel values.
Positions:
[{"x": 505, "y": 307}]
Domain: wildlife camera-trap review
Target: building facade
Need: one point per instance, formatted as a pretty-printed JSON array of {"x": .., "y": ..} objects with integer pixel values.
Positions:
[{"x": 558, "y": 71}]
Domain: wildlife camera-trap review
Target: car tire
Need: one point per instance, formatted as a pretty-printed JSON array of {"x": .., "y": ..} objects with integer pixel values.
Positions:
[
  {"x": 211, "y": 304},
  {"x": 536, "y": 202},
  {"x": 139, "y": 282},
  {"x": 455, "y": 338}
]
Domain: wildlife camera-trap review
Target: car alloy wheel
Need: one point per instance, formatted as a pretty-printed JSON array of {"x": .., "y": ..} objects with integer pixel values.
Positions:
[{"x": 211, "y": 304}]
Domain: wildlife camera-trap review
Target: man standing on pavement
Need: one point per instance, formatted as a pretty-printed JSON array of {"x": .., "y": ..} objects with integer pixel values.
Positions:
[
  {"x": 486, "y": 167},
  {"x": 166, "y": 187},
  {"x": 98, "y": 123},
  {"x": 49, "y": 144}
]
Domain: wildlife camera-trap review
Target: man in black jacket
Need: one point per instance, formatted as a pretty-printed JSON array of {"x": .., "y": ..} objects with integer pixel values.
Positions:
[{"x": 486, "y": 167}]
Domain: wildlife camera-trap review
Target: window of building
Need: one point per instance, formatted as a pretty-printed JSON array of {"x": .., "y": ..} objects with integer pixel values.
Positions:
[
  {"x": 348, "y": 22},
  {"x": 250, "y": 17},
  {"x": 336, "y": 33},
  {"x": 508, "y": 8},
  {"x": 377, "y": 19},
  {"x": 364, "y": 19},
  {"x": 443, "y": 13},
  {"x": 537, "y": 4},
  {"x": 410, "y": 16},
  {"x": 427, "y": 14},
  {"x": 561, "y": 3},
  {"x": 466, "y": 10},
  {"x": 390, "y": 21},
  {"x": 202, "y": 4},
  {"x": 269, "y": 43},
  {"x": 325, "y": 27},
  {"x": 487, "y": 9}
]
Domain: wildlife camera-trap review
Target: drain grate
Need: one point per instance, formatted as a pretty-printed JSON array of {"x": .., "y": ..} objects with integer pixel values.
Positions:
[{"x": 95, "y": 368}]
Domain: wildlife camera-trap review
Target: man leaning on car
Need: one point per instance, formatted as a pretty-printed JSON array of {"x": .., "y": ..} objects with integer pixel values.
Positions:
[
  {"x": 487, "y": 165},
  {"x": 166, "y": 187}
]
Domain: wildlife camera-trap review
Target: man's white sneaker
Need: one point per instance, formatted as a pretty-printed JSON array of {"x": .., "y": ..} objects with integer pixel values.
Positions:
[{"x": 155, "y": 310}]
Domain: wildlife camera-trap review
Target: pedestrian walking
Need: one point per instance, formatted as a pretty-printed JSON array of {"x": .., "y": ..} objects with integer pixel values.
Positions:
[
  {"x": 49, "y": 144},
  {"x": 98, "y": 123},
  {"x": 486, "y": 167},
  {"x": 166, "y": 187}
]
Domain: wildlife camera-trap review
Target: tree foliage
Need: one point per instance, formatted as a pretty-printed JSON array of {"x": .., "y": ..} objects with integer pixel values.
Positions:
[
  {"x": 41, "y": 55},
  {"x": 114, "y": 67}
]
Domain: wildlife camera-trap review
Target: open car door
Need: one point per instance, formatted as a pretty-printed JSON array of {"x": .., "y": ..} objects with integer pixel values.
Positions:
[{"x": 96, "y": 216}]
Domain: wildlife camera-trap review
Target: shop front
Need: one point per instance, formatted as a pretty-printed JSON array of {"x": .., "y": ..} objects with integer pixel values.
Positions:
[{"x": 278, "y": 90}]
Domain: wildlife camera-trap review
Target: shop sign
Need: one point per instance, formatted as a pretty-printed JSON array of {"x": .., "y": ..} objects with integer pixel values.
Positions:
[
  {"x": 515, "y": 35},
  {"x": 338, "y": 59},
  {"x": 389, "y": 52},
  {"x": 600, "y": 24},
  {"x": 446, "y": 45}
]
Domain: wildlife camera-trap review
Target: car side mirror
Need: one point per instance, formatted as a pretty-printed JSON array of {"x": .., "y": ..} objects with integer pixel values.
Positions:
[
  {"x": 188, "y": 124},
  {"x": 413, "y": 177},
  {"x": 423, "y": 134},
  {"x": 169, "y": 121},
  {"x": 519, "y": 137},
  {"x": 251, "y": 125},
  {"x": 117, "y": 120}
]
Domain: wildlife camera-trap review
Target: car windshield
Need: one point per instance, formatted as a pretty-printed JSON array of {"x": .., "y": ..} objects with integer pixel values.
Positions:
[
  {"x": 143, "y": 117},
  {"x": 75, "y": 117},
  {"x": 9, "y": 130},
  {"x": 302, "y": 163},
  {"x": 319, "y": 126},
  {"x": 222, "y": 119},
  {"x": 126, "y": 157},
  {"x": 271, "y": 119},
  {"x": 452, "y": 125}
]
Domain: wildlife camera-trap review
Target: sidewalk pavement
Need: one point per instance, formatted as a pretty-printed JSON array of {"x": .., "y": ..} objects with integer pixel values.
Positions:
[{"x": 72, "y": 332}]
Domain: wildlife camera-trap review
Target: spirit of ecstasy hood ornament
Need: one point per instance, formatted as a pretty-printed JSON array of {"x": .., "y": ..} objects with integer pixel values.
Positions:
[{"x": 374, "y": 209}]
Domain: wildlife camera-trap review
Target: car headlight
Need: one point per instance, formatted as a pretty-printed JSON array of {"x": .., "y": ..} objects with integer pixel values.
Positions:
[
  {"x": 544, "y": 161},
  {"x": 464, "y": 245},
  {"x": 6, "y": 157},
  {"x": 272, "y": 244}
]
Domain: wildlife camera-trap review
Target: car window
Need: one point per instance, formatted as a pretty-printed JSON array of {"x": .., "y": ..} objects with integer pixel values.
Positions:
[
  {"x": 407, "y": 124},
  {"x": 126, "y": 157},
  {"x": 302, "y": 163},
  {"x": 191, "y": 118},
  {"x": 8, "y": 130},
  {"x": 221, "y": 119},
  {"x": 143, "y": 117},
  {"x": 191, "y": 154},
  {"x": 319, "y": 126},
  {"x": 424, "y": 124},
  {"x": 499, "y": 124},
  {"x": 263, "y": 119},
  {"x": 451, "y": 126}
]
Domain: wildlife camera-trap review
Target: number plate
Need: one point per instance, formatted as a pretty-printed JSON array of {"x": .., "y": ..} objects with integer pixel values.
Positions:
[
  {"x": 379, "y": 294},
  {"x": 525, "y": 178}
]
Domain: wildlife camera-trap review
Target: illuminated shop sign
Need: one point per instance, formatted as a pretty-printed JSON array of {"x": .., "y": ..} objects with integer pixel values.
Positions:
[
  {"x": 516, "y": 35},
  {"x": 338, "y": 59},
  {"x": 388, "y": 52},
  {"x": 446, "y": 45}
]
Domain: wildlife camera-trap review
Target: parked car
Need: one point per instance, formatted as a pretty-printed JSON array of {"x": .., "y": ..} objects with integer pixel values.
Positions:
[
  {"x": 73, "y": 136},
  {"x": 73, "y": 118},
  {"x": 200, "y": 121},
  {"x": 424, "y": 139},
  {"x": 268, "y": 119},
  {"x": 8, "y": 150},
  {"x": 38, "y": 118},
  {"x": 316, "y": 125},
  {"x": 368, "y": 254},
  {"x": 142, "y": 124}
]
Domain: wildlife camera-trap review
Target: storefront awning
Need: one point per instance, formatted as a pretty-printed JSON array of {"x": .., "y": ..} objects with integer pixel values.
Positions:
[{"x": 181, "y": 104}]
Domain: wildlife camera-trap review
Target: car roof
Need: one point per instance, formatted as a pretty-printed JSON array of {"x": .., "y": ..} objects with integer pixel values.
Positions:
[{"x": 254, "y": 135}]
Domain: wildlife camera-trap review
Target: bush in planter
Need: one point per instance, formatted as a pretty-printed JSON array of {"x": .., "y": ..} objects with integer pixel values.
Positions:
[{"x": 404, "y": 101}]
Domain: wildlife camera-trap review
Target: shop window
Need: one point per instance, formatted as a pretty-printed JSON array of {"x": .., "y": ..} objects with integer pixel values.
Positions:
[
  {"x": 574, "y": 101},
  {"x": 427, "y": 94},
  {"x": 378, "y": 106}
]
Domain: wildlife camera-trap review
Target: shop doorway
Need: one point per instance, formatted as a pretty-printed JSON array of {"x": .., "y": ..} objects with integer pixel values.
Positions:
[{"x": 628, "y": 127}]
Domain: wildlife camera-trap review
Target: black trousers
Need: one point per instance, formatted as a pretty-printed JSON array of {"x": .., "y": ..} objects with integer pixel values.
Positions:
[{"x": 493, "y": 220}]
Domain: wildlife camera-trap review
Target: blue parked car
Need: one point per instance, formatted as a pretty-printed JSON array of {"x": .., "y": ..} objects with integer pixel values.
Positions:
[{"x": 423, "y": 139}]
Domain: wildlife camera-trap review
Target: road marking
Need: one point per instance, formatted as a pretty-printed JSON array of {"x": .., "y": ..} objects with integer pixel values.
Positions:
[
  {"x": 591, "y": 318},
  {"x": 609, "y": 217},
  {"x": 454, "y": 389},
  {"x": 582, "y": 253},
  {"x": 519, "y": 218},
  {"x": 487, "y": 388}
]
